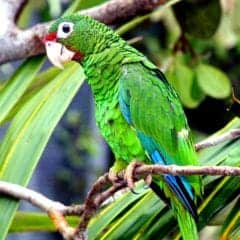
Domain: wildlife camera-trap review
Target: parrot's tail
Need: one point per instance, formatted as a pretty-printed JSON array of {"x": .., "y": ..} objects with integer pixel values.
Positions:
[
  {"x": 181, "y": 190},
  {"x": 179, "y": 186},
  {"x": 179, "y": 201},
  {"x": 186, "y": 222}
]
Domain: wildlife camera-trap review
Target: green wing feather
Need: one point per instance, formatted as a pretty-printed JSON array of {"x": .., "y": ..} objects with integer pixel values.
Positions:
[
  {"x": 156, "y": 112},
  {"x": 165, "y": 120}
]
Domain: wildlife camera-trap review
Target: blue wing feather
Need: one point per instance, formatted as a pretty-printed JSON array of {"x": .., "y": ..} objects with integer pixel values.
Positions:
[
  {"x": 124, "y": 99},
  {"x": 178, "y": 184}
]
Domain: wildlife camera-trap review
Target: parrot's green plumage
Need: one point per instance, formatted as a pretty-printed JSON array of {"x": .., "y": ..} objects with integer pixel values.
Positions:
[{"x": 138, "y": 113}]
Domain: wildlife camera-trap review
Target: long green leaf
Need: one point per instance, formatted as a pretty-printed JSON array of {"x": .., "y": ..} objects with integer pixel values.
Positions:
[
  {"x": 111, "y": 212},
  {"x": 221, "y": 195},
  {"x": 29, "y": 132},
  {"x": 32, "y": 222},
  {"x": 17, "y": 85},
  {"x": 231, "y": 226},
  {"x": 126, "y": 226},
  {"x": 38, "y": 83}
]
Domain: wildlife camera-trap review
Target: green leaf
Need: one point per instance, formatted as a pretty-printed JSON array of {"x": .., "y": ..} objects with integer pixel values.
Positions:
[
  {"x": 213, "y": 81},
  {"x": 17, "y": 85},
  {"x": 39, "y": 82},
  {"x": 29, "y": 132},
  {"x": 32, "y": 222},
  {"x": 231, "y": 226},
  {"x": 82, "y": 4},
  {"x": 160, "y": 227},
  {"x": 111, "y": 212},
  {"x": 125, "y": 227},
  {"x": 221, "y": 194},
  {"x": 183, "y": 80},
  {"x": 55, "y": 7},
  {"x": 199, "y": 18}
]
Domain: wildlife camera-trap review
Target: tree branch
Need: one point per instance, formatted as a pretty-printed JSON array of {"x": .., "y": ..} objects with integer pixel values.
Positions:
[
  {"x": 17, "y": 44},
  {"x": 55, "y": 210},
  {"x": 215, "y": 140},
  {"x": 93, "y": 200},
  {"x": 31, "y": 196},
  {"x": 8, "y": 14},
  {"x": 116, "y": 11},
  {"x": 187, "y": 170}
]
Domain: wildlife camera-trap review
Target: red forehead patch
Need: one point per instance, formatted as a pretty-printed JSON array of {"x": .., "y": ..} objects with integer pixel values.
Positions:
[{"x": 50, "y": 37}]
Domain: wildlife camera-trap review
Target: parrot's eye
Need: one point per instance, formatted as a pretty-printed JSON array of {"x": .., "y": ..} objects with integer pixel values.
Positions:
[{"x": 64, "y": 29}]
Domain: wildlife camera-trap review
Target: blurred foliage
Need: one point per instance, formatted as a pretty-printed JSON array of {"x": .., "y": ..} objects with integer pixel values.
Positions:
[
  {"x": 200, "y": 19},
  {"x": 78, "y": 144},
  {"x": 197, "y": 44}
]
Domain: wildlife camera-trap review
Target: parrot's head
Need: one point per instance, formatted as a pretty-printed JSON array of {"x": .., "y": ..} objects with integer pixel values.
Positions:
[{"x": 75, "y": 37}]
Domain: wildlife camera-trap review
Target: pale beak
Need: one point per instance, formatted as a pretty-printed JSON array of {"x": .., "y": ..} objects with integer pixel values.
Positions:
[{"x": 58, "y": 54}]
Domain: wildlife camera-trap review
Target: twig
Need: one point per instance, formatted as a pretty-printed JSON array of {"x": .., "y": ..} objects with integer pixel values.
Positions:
[
  {"x": 215, "y": 140},
  {"x": 135, "y": 40},
  {"x": 94, "y": 199},
  {"x": 35, "y": 198},
  {"x": 55, "y": 209},
  {"x": 18, "y": 44},
  {"x": 74, "y": 210},
  {"x": 61, "y": 225}
]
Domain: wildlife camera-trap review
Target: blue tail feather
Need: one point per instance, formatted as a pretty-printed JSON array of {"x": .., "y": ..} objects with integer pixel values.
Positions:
[
  {"x": 178, "y": 188},
  {"x": 178, "y": 184}
]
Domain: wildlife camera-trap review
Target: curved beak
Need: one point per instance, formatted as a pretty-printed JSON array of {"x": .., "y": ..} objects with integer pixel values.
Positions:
[{"x": 58, "y": 54}]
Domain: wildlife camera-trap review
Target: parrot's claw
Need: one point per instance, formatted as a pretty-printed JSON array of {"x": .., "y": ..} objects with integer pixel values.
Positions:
[
  {"x": 114, "y": 177},
  {"x": 148, "y": 180},
  {"x": 129, "y": 175}
]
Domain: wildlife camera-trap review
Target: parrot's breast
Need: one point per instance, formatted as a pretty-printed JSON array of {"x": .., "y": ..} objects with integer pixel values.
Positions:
[{"x": 118, "y": 134}]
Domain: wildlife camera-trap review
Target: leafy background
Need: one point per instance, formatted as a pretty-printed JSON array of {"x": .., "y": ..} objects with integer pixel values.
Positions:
[{"x": 49, "y": 134}]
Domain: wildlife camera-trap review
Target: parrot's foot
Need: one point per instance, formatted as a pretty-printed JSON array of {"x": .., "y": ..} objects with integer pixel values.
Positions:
[
  {"x": 130, "y": 172},
  {"x": 115, "y": 178}
]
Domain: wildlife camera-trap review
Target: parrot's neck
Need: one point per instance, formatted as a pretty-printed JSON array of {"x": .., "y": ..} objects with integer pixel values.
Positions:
[
  {"x": 102, "y": 75},
  {"x": 103, "y": 71}
]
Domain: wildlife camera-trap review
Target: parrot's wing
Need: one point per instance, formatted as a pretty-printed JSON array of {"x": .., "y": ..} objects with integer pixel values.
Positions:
[{"x": 153, "y": 108}]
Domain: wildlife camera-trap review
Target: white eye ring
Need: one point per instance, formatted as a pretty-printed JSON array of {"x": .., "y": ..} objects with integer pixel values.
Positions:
[{"x": 64, "y": 29}]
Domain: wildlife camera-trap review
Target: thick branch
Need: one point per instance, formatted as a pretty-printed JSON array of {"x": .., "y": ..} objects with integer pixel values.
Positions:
[
  {"x": 8, "y": 13},
  {"x": 17, "y": 44},
  {"x": 121, "y": 10}
]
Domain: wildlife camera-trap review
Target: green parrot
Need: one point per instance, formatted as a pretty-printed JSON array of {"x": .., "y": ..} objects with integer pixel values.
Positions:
[{"x": 137, "y": 111}]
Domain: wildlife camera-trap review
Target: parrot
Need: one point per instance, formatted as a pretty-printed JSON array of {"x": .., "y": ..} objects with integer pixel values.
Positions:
[{"x": 137, "y": 111}]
